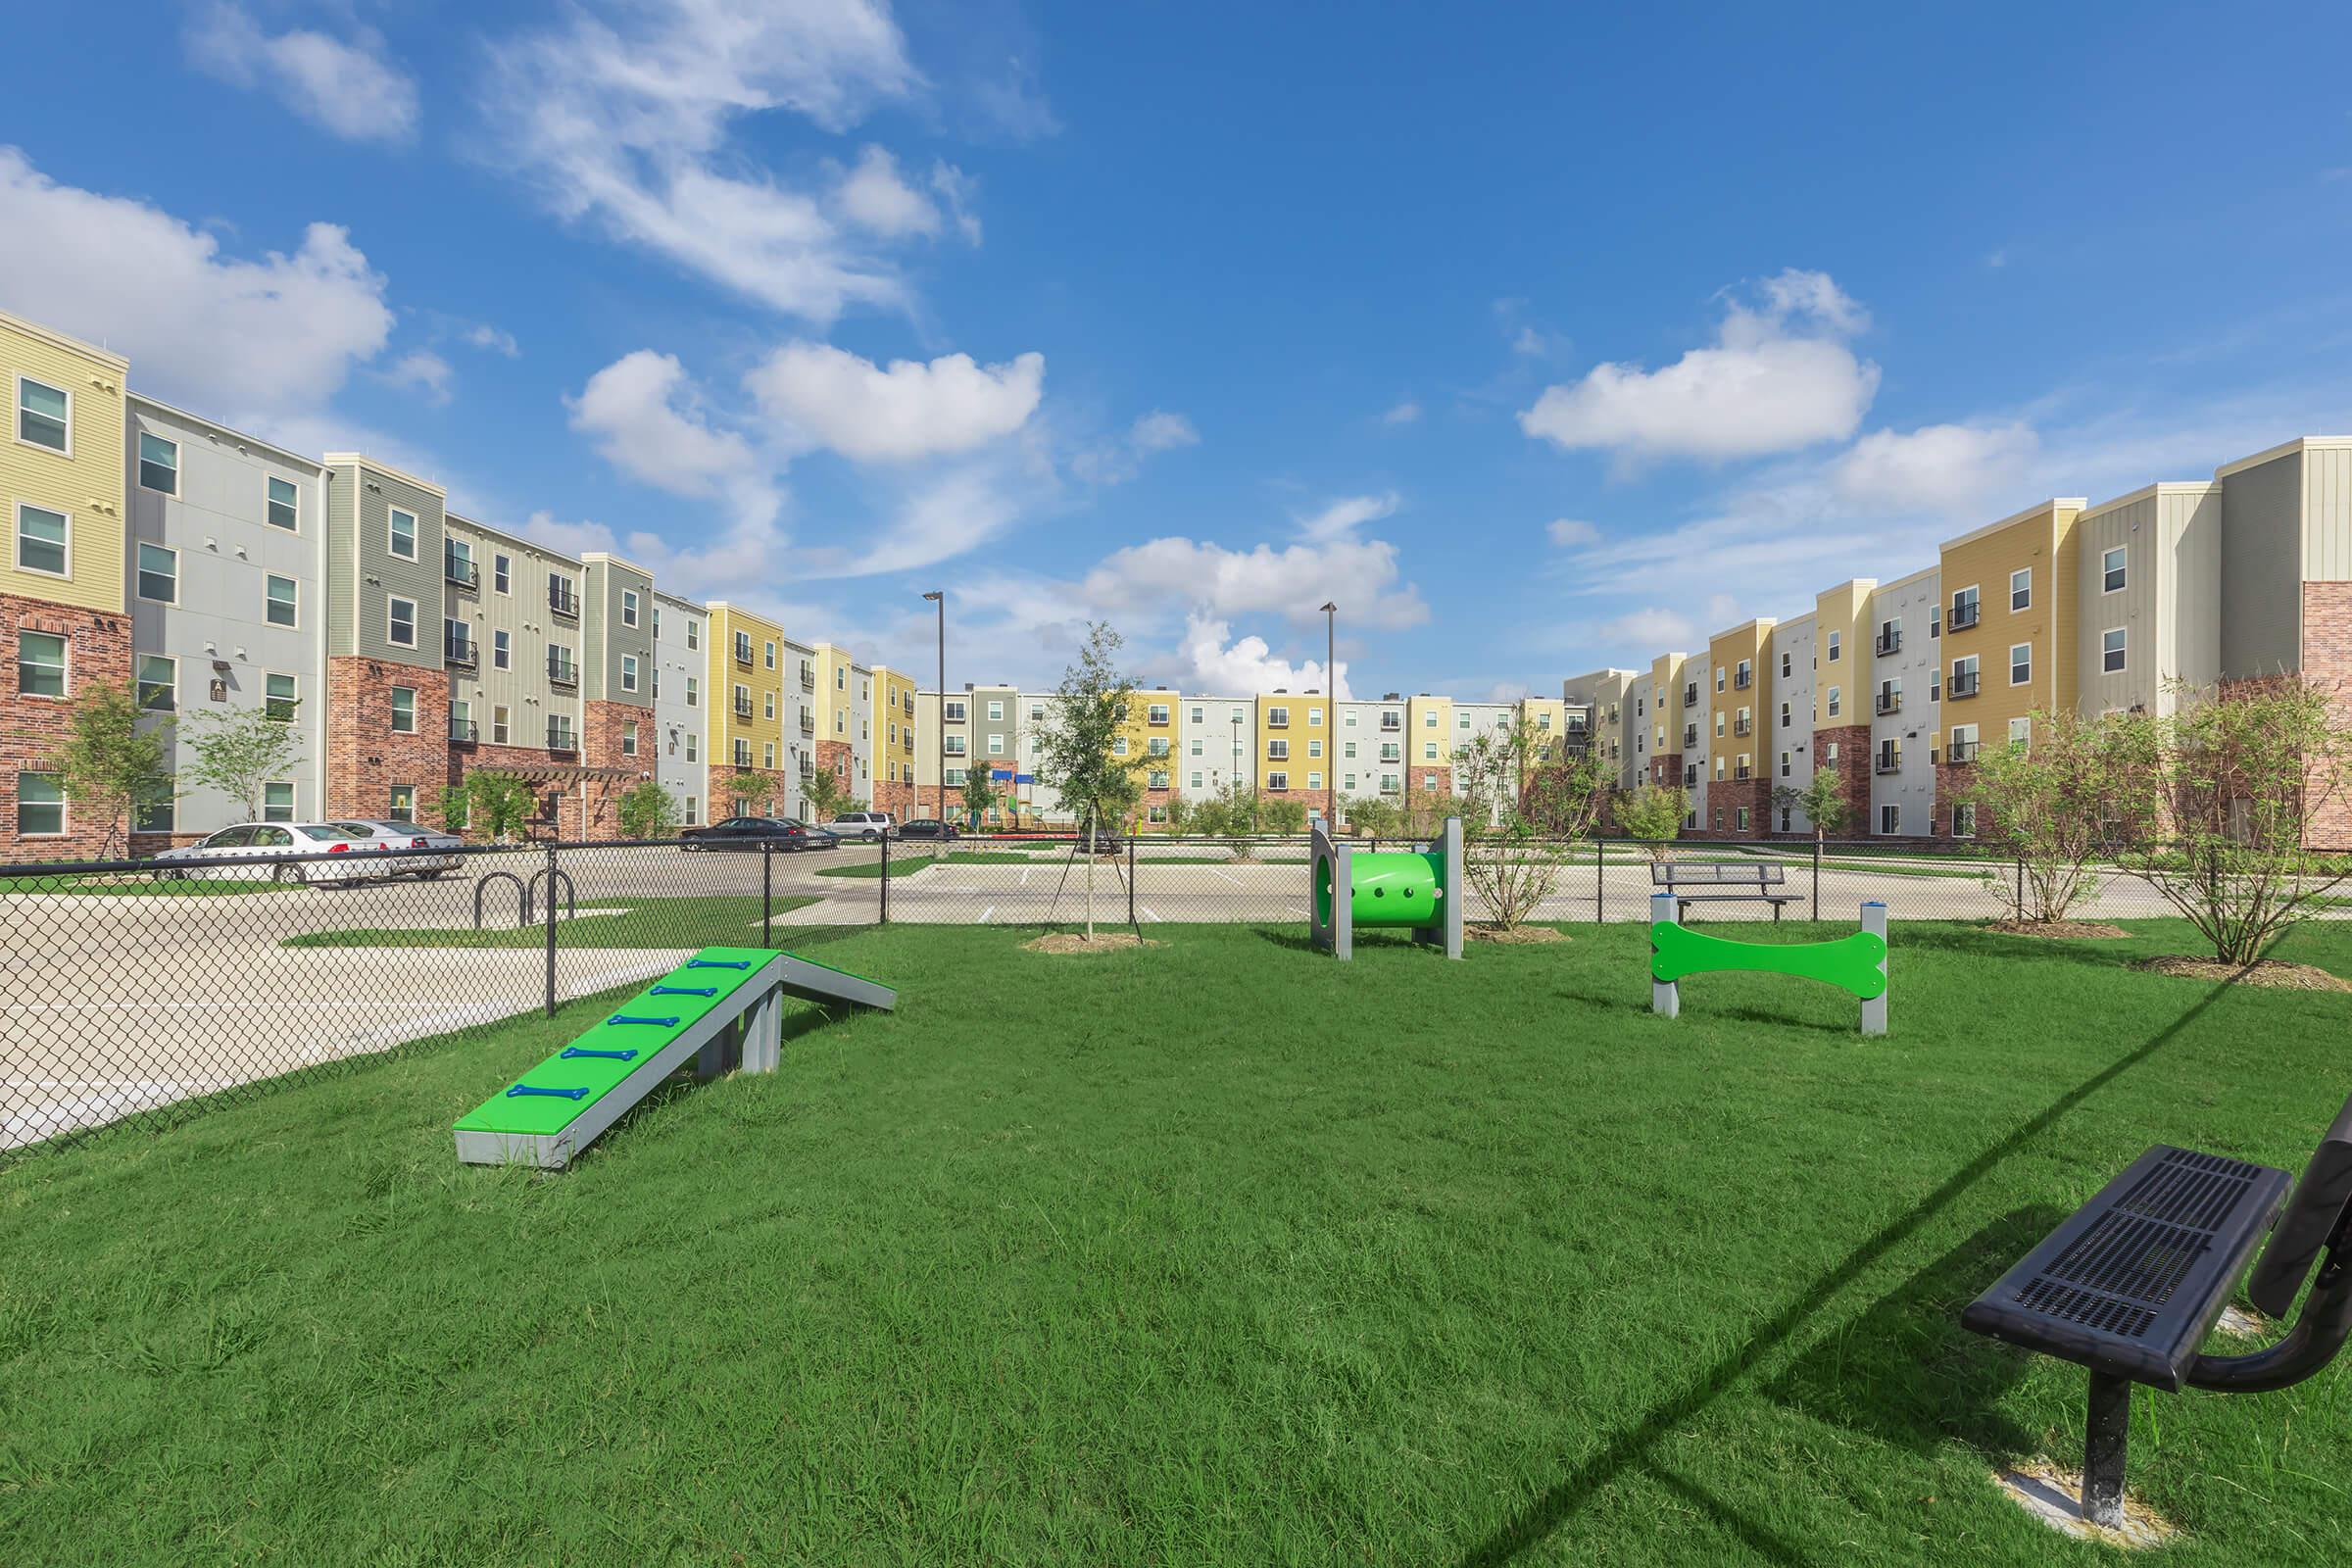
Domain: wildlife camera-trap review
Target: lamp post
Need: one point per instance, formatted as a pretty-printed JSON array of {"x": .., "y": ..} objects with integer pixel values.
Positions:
[
  {"x": 1237, "y": 753},
  {"x": 1331, "y": 685},
  {"x": 940, "y": 761}
]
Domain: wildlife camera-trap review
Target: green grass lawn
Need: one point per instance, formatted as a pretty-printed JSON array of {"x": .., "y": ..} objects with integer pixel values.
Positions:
[
  {"x": 656, "y": 922},
  {"x": 1220, "y": 1252},
  {"x": 906, "y": 862},
  {"x": 141, "y": 887}
]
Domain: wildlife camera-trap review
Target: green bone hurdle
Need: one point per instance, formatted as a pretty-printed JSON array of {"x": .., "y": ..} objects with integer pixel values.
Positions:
[
  {"x": 1417, "y": 890},
  {"x": 723, "y": 1007},
  {"x": 1856, "y": 963}
]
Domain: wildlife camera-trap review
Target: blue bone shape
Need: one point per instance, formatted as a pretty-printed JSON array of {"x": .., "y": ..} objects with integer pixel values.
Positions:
[
  {"x": 682, "y": 990},
  {"x": 719, "y": 963},
  {"x": 622, "y": 1018},
  {"x": 564, "y": 1093},
  {"x": 612, "y": 1056}
]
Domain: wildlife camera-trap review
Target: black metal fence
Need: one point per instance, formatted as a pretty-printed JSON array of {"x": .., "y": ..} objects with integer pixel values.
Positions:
[{"x": 138, "y": 989}]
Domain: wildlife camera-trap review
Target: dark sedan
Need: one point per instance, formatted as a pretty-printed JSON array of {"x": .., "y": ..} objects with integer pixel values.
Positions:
[
  {"x": 757, "y": 832},
  {"x": 928, "y": 827}
]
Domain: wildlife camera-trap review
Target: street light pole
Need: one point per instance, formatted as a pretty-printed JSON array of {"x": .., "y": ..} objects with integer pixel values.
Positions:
[
  {"x": 1331, "y": 685},
  {"x": 940, "y": 761}
]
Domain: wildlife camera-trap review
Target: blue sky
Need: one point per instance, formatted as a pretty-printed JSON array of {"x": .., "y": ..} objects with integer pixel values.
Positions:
[{"x": 1479, "y": 321}]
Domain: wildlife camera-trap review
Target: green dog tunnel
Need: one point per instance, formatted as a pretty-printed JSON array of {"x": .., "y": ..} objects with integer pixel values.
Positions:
[
  {"x": 1405, "y": 890},
  {"x": 724, "y": 1007}
]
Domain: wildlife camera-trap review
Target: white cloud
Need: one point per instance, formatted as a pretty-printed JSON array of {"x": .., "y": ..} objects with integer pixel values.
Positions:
[
  {"x": 1948, "y": 467},
  {"x": 1654, "y": 629},
  {"x": 1122, "y": 458},
  {"x": 948, "y": 515},
  {"x": 1339, "y": 519},
  {"x": 735, "y": 566},
  {"x": 344, "y": 86},
  {"x": 1404, "y": 413},
  {"x": 627, "y": 122},
  {"x": 1529, "y": 342},
  {"x": 244, "y": 338},
  {"x": 1779, "y": 377},
  {"x": 911, "y": 410},
  {"x": 1360, "y": 574},
  {"x": 1209, "y": 659},
  {"x": 1570, "y": 534},
  {"x": 960, "y": 191},
  {"x": 424, "y": 371},
  {"x": 1162, "y": 431},
  {"x": 649, "y": 420},
  {"x": 872, "y": 195},
  {"x": 493, "y": 340}
]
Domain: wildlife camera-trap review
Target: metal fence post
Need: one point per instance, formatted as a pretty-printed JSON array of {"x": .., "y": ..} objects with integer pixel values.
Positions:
[
  {"x": 550, "y": 928},
  {"x": 767, "y": 892},
  {"x": 884, "y": 841},
  {"x": 1599, "y": 882},
  {"x": 2020, "y": 912},
  {"x": 1131, "y": 884},
  {"x": 1816, "y": 876}
]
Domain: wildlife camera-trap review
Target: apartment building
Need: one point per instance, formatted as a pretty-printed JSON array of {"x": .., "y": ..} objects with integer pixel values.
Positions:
[
  {"x": 1374, "y": 742},
  {"x": 1220, "y": 745},
  {"x": 859, "y": 692},
  {"x": 894, "y": 743},
  {"x": 1784, "y": 727},
  {"x": 226, "y": 591},
  {"x": 387, "y": 687},
  {"x": 1845, "y": 649},
  {"x": 681, "y": 712},
  {"x": 1605, "y": 697},
  {"x": 801, "y": 703},
  {"x": 1903, "y": 729},
  {"x": 1292, "y": 743},
  {"x": 1429, "y": 746},
  {"x": 746, "y": 733}
]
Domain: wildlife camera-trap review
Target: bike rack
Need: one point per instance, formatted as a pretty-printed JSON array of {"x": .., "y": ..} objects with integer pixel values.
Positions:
[
  {"x": 556, "y": 876},
  {"x": 482, "y": 885}
]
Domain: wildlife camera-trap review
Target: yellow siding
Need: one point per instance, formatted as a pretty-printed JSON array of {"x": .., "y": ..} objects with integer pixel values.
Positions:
[
  {"x": 1140, "y": 731},
  {"x": 1752, "y": 642},
  {"x": 1546, "y": 719},
  {"x": 1666, "y": 677},
  {"x": 85, "y": 483},
  {"x": 2035, "y": 540},
  {"x": 895, "y": 745},
  {"x": 835, "y": 701},
  {"x": 1419, "y": 713},
  {"x": 1846, "y": 611},
  {"x": 1309, "y": 716},
  {"x": 759, "y": 683}
]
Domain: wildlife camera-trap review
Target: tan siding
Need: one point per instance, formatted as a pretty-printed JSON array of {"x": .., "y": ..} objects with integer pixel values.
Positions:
[
  {"x": 2328, "y": 514},
  {"x": 85, "y": 483}
]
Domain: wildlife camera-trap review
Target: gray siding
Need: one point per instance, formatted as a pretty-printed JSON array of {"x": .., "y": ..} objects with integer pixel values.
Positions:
[
  {"x": 523, "y": 687},
  {"x": 383, "y": 577},
  {"x": 1917, "y": 729},
  {"x": 2169, "y": 606},
  {"x": 2328, "y": 514},
  {"x": 681, "y": 707},
  {"x": 1784, "y": 751},
  {"x": 2261, "y": 570},
  {"x": 611, "y": 639}
]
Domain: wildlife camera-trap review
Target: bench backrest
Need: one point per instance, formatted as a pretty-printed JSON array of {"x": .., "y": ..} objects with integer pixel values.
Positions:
[
  {"x": 1744, "y": 873},
  {"x": 2312, "y": 1218}
]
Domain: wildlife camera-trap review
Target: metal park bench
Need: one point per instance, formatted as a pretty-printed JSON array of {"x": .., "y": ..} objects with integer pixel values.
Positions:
[
  {"x": 1712, "y": 882},
  {"x": 2131, "y": 1285}
]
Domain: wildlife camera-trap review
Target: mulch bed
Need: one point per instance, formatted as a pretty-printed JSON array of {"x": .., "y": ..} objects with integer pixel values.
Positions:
[
  {"x": 2267, "y": 972},
  {"x": 2099, "y": 929},
  {"x": 1515, "y": 934},
  {"x": 1076, "y": 943}
]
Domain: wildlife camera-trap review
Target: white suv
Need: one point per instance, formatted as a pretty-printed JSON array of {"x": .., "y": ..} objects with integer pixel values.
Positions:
[{"x": 866, "y": 825}]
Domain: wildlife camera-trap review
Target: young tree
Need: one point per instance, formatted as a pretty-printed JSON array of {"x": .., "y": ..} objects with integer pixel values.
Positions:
[
  {"x": 501, "y": 806},
  {"x": 754, "y": 789},
  {"x": 2225, "y": 789},
  {"x": 454, "y": 807},
  {"x": 109, "y": 761},
  {"x": 1652, "y": 814},
  {"x": 1282, "y": 816},
  {"x": 2058, "y": 798},
  {"x": 1375, "y": 818},
  {"x": 1823, "y": 801},
  {"x": 1077, "y": 745},
  {"x": 979, "y": 793},
  {"x": 237, "y": 749},
  {"x": 648, "y": 812},
  {"x": 1524, "y": 806},
  {"x": 1181, "y": 810},
  {"x": 827, "y": 797}
]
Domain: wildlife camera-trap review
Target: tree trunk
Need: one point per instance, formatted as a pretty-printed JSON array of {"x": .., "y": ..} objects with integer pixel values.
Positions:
[{"x": 1089, "y": 850}]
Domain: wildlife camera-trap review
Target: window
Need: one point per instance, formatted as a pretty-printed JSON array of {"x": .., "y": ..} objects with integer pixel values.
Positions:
[
  {"x": 952, "y": 710},
  {"x": 401, "y": 623},
  {"x": 771, "y": 653},
  {"x": 1314, "y": 748},
  {"x": 628, "y": 675},
  {"x": 159, "y": 574},
  {"x": 404, "y": 803},
  {"x": 1740, "y": 818},
  {"x": 1314, "y": 717},
  {"x": 403, "y": 534},
  {"x": 743, "y": 752},
  {"x": 158, "y": 683},
  {"x": 501, "y": 649},
  {"x": 694, "y": 634},
  {"x": 2021, "y": 588},
  {"x": 40, "y": 664},
  {"x": 1964, "y": 676},
  {"x": 995, "y": 709},
  {"x": 277, "y": 801},
  {"x": 159, "y": 464},
  {"x": 996, "y": 746},
  {"x": 284, "y": 510},
  {"x": 1837, "y": 701},
  {"x": 501, "y": 575},
  {"x": 404, "y": 709},
  {"x": 1428, "y": 751},
  {"x": 41, "y": 806},
  {"x": 44, "y": 417},
  {"x": 1934, "y": 683},
  {"x": 1964, "y": 609},
  {"x": 2021, "y": 664},
  {"x": 1784, "y": 764},
  {"x": 1278, "y": 781},
  {"x": 280, "y": 606},
  {"x": 2020, "y": 733},
  {"x": 501, "y": 723},
  {"x": 1829, "y": 756},
  {"x": 694, "y": 749},
  {"x": 1785, "y": 715},
  {"x": 1118, "y": 746},
  {"x": 1935, "y": 621},
  {"x": 694, "y": 810},
  {"x": 1314, "y": 781},
  {"x": 2111, "y": 651},
  {"x": 628, "y": 737},
  {"x": 1891, "y": 819},
  {"x": 1784, "y": 666},
  {"x": 155, "y": 810},
  {"x": 1196, "y": 782},
  {"x": 41, "y": 540},
  {"x": 1719, "y": 687},
  {"x": 1964, "y": 820},
  {"x": 2111, "y": 571},
  {"x": 694, "y": 692},
  {"x": 1157, "y": 713},
  {"x": 280, "y": 696},
  {"x": 955, "y": 746},
  {"x": 1278, "y": 719},
  {"x": 628, "y": 606}
]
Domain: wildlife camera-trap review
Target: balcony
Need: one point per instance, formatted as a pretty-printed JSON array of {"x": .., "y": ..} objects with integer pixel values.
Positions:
[
  {"x": 1278, "y": 720},
  {"x": 461, "y": 650},
  {"x": 461, "y": 570},
  {"x": 743, "y": 651},
  {"x": 559, "y": 738},
  {"x": 808, "y": 679},
  {"x": 1964, "y": 615},
  {"x": 1962, "y": 753},
  {"x": 1743, "y": 726},
  {"x": 1691, "y": 695},
  {"x": 463, "y": 732},
  {"x": 1390, "y": 726},
  {"x": 1743, "y": 771},
  {"x": 809, "y": 722},
  {"x": 562, "y": 671},
  {"x": 1890, "y": 703},
  {"x": 1888, "y": 763},
  {"x": 1890, "y": 642},
  {"x": 1962, "y": 684},
  {"x": 563, "y": 599},
  {"x": 1691, "y": 737},
  {"x": 1278, "y": 752},
  {"x": 1742, "y": 680},
  {"x": 743, "y": 708}
]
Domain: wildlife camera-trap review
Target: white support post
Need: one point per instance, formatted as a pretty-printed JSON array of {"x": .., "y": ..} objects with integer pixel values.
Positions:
[
  {"x": 1665, "y": 995},
  {"x": 1873, "y": 1008}
]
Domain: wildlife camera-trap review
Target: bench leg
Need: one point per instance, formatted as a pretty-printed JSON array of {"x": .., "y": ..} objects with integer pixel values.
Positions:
[{"x": 2104, "y": 1439}]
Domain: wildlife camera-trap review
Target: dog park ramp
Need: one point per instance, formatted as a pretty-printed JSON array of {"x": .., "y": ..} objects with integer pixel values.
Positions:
[{"x": 720, "y": 1008}]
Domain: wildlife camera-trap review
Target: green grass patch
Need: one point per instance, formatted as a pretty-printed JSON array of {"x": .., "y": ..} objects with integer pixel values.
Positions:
[
  {"x": 906, "y": 864},
  {"x": 139, "y": 887},
  {"x": 710, "y": 920},
  {"x": 1217, "y": 1252}
]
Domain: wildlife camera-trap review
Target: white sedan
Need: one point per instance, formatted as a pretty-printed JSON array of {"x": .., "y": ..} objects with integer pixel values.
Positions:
[
  {"x": 431, "y": 850},
  {"x": 265, "y": 851}
]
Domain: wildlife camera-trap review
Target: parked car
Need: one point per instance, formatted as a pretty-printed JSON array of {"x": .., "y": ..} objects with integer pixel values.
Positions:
[
  {"x": 432, "y": 851},
  {"x": 929, "y": 828},
  {"x": 756, "y": 832},
  {"x": 866, "y": 825},
  {"x": 260, "y": 852}
]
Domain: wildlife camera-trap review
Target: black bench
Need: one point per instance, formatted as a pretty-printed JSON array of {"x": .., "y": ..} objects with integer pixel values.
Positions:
[
  {"x": 2133, "y": 1283},
  {"x": 1746, "y": 882}
]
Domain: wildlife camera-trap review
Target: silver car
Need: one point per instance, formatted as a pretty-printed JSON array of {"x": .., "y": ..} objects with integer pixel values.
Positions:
[
  {"x": 438, "y": 856},
  {"x": 262, "y": 851}
]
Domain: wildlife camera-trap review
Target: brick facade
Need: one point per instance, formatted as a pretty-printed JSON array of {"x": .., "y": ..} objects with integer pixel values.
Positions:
[
  {"x": 1854, "y": 771},
  {"x": 837, "y": 758},
  {"x": 897, "y": 798},
  {"x": 1728, "y": 795},
  {"x": 2327, "y": 663},
  {"x": 365, "y": 758},
  {"x": 98, "y": 648}
]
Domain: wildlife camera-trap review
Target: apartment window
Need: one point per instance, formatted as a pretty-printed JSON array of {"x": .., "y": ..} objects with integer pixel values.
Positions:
[
  {"x": 1278, "y": 719},
  {"x": 1720, "y": 717},
  {"x": 2021, "y": 588},
  {"x": 1196, "y": 746},
  {"x": 996, "y": 746},
  {"x": 2111, "y": 651},
  {"x": 501, "y": 575},
  {"x": 1196, "y": 782},
  {"x": 995, "y": 709},
  {"x": 1837, "y": 646},
  {"x": 501, "y": 649},
  {"x": 1964, "y": 820},
  {"x": 694, "y": 634},
  {"x": 1964, "y": 676},
  {"x": 1314, "y": 748},
  {"x": 743, "y": 648},
  {"x": 628, "y": 606},
  {"x": 159, "y": 464},
  {"x": 1784, "y": 764},
  {"x": 284, "y": 506},
  {"x": 2020, "y": 733},
  {"x": 401, "y": 623},
  {"x": 1785, "y": 665},
  {"x": 1935, "y": 621},
  {"x": 694, "y": 810},
  {"x": 743, "y": 752},
  {"x": 694, "y": 692},
  {"x": 40, "y": 664},
  {"x": 1740, "y": 820},
  {"x": 41, "y": 806},
  {"x": 278, "y": 801},
  {"x": 694, "y": 747},
  {"x": 1719, "y": 818},
  {"x": 158, "y": 683},
  {"x": 1278, "y": 781},
  {"x": 159, "y": 574},
  {"x": 1719, "y": 678},
  {"x": 2111, "y": 571},
  {"x": 1934, "y": 683},
  {"x": 771, "y": 653},
  {"x": 1837, "y": 702},
  {"x": 1037, "y": 713},
  {"x": 1964, "y": 609},
  {"x": 404, "y": 803},
  {"x": 403, "y": 542},
  {"x": 281, "y": 605},
  {"x": 404, "y": 709},
  {"x": 955, "y": 746},
  {"x": 628, "y": 737},
  {"x": 559, "y": 735},
  {"x": 1195, "y": 713},
  {"x": 42, "y": 539},
  {"x": 280, "y": 696},
  {"x": 1428, "y": 751},
  {"x": 155, "y": 811},
  {"x": 1314, "y": 781},
  {"x": 1891, "y": 819},
  {"x": 1463, "y": 722},
  {"x": 1785, "y": 715},
  {"x": 1828, "y": 755},
  {"x": 499, "y": 724},
  {"x": 2021, "y": 664},
  {"x": 461, "y": 719},
  {"x": 1157, "y": 713},
  {"x": 44, "y": 418}
]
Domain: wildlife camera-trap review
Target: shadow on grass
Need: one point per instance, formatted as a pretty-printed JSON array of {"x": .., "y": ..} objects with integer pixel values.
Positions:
[
  {"x": 1632, "y": 1446},
  {"x": 811, "y": 1018},
  {"x": 2103, "y": 953}
]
